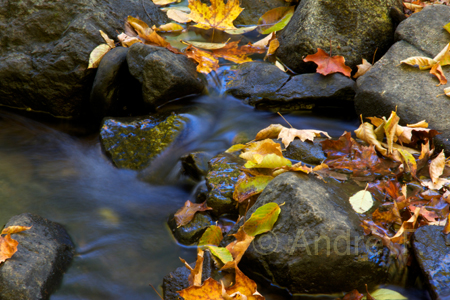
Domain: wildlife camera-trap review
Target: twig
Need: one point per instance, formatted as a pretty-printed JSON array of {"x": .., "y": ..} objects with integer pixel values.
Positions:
[
  {"x": 373, "y": 59},
  {"x": 156, "y": 291},
  {"x": 285, "y": 120}
]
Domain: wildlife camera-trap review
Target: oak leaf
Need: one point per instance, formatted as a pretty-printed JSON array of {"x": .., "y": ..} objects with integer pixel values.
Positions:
[
  {"x": 287, "y": 135},
  {"x": 185, "y": 214},
  {"x": 217, "y": 16},
  {"x": 328, "y": 65}
]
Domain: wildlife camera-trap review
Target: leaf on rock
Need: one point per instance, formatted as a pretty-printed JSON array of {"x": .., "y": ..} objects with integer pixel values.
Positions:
[
  {"x": 361, "y": 201},
  {"x": 8, "y": 247},
  {"x": 247, "y": 187},
  {"x": 301, "y": 167},
  {"x": 287, "y": 135},
  {"x": 185, "y": 214},
  {"x": 210, "y": 290},
  {"x": 142, "y": 29},
  {"x": 164, "y": 2},
  {"x": 127, "y": 40},
  {"x": 178, "y": 16},
  {"x": 235, "y": 148},
  {"x": 218, "y": 16},
  {"x": 366, "y": 133},
  {"x": 211, "y": 236},
  {"x": 423, "y": 63},
  {"x": 269, "y": 161},
  {"x": 245, "y": 286},
  {"x": 363, "y": 68},
  {"x": 386, "y": 294},
  {"x": 420, "y": 124},
  {"x": 328, "y": 65},
  {"x": 443, "y": 58},
  {"x": 206, "y": 61},
  {"x": 221, "y": 253},
  {"x": 436, "y": 70},
  {"x": 262, "y": 220},
  {"x": 437, "y": 167},
  {"x": 275, "y": 19},
  {"x": 169, "y": 27},
  {"x": 15, "y": 229},
  {"x": 108, "y": 41},
  {"x": 256, "y": 151},
  {"x": 97, "y": 54},
  {"x": 195, "y": 278},
  {"x": 270, "y": 132},
  {"x": 238, "y": 247}
]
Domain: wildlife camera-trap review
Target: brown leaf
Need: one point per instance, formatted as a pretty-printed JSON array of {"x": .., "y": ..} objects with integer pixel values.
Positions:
[
  {"x": 273, "y": 46},
  {"x": 363, "y": 68},
  {"x": 328, "y": 65},
  {"x": 437, "y": 167},
  {"x": 237, "y": 54},
  {"x": 245, "y": 286},
  {"x": 353, "y": 295},
  {"x": 407, "y": 227},
  {"x": 366, "y": 133},
  {"x": 185, "y": 214},
  {"x": 8, "y": 247},
  {"x": 195, "y": 278},
  {"x": 287, "y": 135},
  {"x": 238, "y": 247},
  {"x": 108, "y": 41}
]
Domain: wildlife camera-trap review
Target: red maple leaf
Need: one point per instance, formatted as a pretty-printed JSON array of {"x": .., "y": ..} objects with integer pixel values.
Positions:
[{"x": 328, "y": 65}]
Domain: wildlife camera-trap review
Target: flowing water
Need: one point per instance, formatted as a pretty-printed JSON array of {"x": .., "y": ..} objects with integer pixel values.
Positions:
[{"x": 116, "y": 219}]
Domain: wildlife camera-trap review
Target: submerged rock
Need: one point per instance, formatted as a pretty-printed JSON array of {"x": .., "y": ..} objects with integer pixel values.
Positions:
[
  {"x": 388, "y": 86},
  {"x": 46, "y": 46},
  {"x": 317, "y": 244},
  {"x": 432, "y": 251},
  {"x": 265, "y": 86},
  {"x": 134, "y": 143},
  {"x": 43, "y": 255},
  {"x": 163, "y": 74},
  {"x": 356, "y": 30}
]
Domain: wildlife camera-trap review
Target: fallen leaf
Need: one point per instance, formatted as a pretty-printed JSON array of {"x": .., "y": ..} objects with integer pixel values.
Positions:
[
  {"x": 363, "y": 68},
  {"x": 437, "y": 167},
  {"x": 423, "y": 63},
  {"x": 15, "y": 229},
  {"x": 241, "y": 30},
  {"x": 221, "y": 253},
  {"x": 247, "y": 187},
  {"x": 164, "y": 2},
  {"x": 97, "y": 54},
  {"x": 210, "y": 290},
  {"x": 178, "y": 15},
  {"x": 236, "y": 54},
  {"x": 218, "y": 16},
  {"x": 287, "y": 135},
  {"x": 206, "y": 61},
  {"x": 420, "y": 124},
  {"x": 260, "y": 149},
  {"x": 386, "y": 294},
  {"x": 238, "y": 247},
  {"x": 211, "y": 236},
  {"x": 245, "y": 286},
  {"x": 108, "y": 41},
  {"x": 127, "y": 41},
  {"x": 195, "y": 278},
  {"x": 436, "y": 70},
  {"x": 390, "y": 129},
  {"x": 408, "y": 226},
  {"x": 446, "y": 229},
  {"x": 169, "y": 27},
  {"x": 263, "y": 43},
  {"x": 443, "y": 58},
  {"x": 262, "y": 220},
  {"x": 142, "y": 29},
  {"x": 8, "y": 247},
  {"x": 185, "y": 214},
  {"x": 275, "y": 19},
  {"x": 270, "y": 132},
  {"x": 328, "y": 65},
  {"x": 353, "y": 295},
  {"x": 273, "y": 46},
  {"x": 301, "y": 167},
  {"x": 270, "y": 161},
  {"x": 361, "y": 201},
  {"x": 409, "y": 162},
  {"x": 206, "y": 46},
  {"x": 366, "y": 133},
  {"x": 280, "y": 66},
  {"x": 235, "y": 148}
]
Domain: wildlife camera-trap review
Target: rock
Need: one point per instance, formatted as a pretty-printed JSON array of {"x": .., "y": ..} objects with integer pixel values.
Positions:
[
  {"x": 254, "y": 9},
  {"x": 43, "y": 255},
  {"x": 45, "y": 50},
  {"x": 432, "y": 251},
  {"x": 191, "y": 232},
  {"x": 132, "y": 143},
  {"x": 265, "y": 86},
  {"x": 115, "y": 92},
  {"x": 164, "y": 75},
  {"x": 220, "y": 180},
  {"x": 317, "y": 244},
  {"x": 178, "y": 279},
  {"x": 388, "y": 87},
  {"x": 307, "y": 152},
  {"x": 196, "y": 164},
  {"x": 356, "y": 30}
]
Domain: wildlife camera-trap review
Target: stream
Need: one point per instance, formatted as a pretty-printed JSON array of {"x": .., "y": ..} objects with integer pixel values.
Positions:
[{"x": 116, "y": 219}]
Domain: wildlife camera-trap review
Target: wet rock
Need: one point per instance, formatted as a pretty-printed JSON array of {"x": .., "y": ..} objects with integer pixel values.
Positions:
[
  {"x": 307, "y": 152},
  {"x": 265, "y": 86},
  {"x": 45, "y": 52},
  {"x": 191, "y": 232},
  {"x": 164, "y": 75},
  {"x": 196, "y": 164},
  {"x": 317, "y": 244},
  {"x": 432, "y": 251},
  {"x": 115, "y": 92},
  {"x": 356, "y": 29},
  {"x": 43, "y": 255},
  {"x": 254, "y": 9},
  {"x": 220, "y": 180},
  {"x": 132, "y": 143},
  {"x": 178, "y": 279}
]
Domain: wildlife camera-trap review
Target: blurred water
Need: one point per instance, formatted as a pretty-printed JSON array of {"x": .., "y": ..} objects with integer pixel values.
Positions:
[{"x": 117, "y": 218}]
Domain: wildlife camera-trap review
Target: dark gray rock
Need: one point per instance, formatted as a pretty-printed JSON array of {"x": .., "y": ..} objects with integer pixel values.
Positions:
[
  {"x": 265, "y": 86},
  {"x": 115, "y": 92},
  {"x": 432, "y": 251},
  {"x": 307, "y": 152},
  {"x": 196, "y": 164},
  {"x": 178, "y": 279},
  {"x": 43, "y": 255},
  {"x": 132, "y": 143},
  {"x": 163, "y": 74},
  {"x": 388, "y": 86},
  {"x": 191, "y": 232},
  {"x": 356, "y": 30},
  {"x": 296, "y": 254},
  {"x": 254, "y": 9},
  {"x": 45, "y": 49},
  {"x": 220, "y": 180}
]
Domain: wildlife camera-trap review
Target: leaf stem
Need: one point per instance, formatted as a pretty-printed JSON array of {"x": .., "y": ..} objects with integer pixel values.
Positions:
[{"x": 285, "y": 119}]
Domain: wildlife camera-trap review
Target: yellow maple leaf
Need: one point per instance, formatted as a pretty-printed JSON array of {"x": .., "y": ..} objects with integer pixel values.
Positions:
[{"x": 218, "y": 16}]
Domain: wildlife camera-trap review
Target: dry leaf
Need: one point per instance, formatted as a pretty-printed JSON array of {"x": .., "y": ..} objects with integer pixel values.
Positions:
[
  {"x": 270, "y": 132},
  {"x": 15, "y": 229},
  {"x": 443, "y": 58},
  {"x": 287, "y": 135},
  {"x": 275, "y": 19},
  {"x": 237, "y": 54},
  {"x": 407, "y": 227},
  {"x": 436, "y": 70},
  {"x": 366, "y": 133},
  {"x": 390, "y": 130},
  {"x": 108, "y": 41},
  {"x": 361, "y": 201},
  {"x": 256, "y": 151},
  {"x": 164, "y": 2},
  {"x": 169, "y": 27},
  {"x": 437, "y": 167},
  {"x": 97, "y": 54},
  {"x": 273, "y": 46},
  {"x": 127, "y": 41},
  {"x": 238, "y": 247},
  {"x": 8, "y": 247},
  {"x": 218, "y": 16},
  {"x": 328, "y": 65},
  {"x": 185, "y": 214},
  {"x": 178, "y": 16},
  {"x": 195, "y": 278},
  {"x": 240, "y": 30},
  {"x": 263, "y": 43},
  {"x": 205, "y": 45},
  {"x": 420, "y": 124},
  {"x": 422, "y": 62},
  {"x": 206, "y": 61},
  {"x": 362, "y": 68}
]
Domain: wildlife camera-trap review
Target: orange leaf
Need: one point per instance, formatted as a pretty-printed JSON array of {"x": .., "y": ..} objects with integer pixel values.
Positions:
[
  {"x": 219, "y": 15},
  {"x": 14, "y": 229},
  {"x": 210, "y": 290},
  {"x": 206, "y": 61},
  {"x": 238, "y": 248},
  {"x": 8, "y": 247},
  {"x": 328, "y": 65},
  {"x": 185, "y": 214},
  {"x": 195, "y": 278},
  {"x": 270, "y": 132},
  {"x": 237, "y": 54},
  {"x": 245, "y": 286},
  {"x": 436, "y": 70}
]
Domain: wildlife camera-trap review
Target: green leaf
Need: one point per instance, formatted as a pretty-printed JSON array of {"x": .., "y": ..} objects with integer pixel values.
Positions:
[
  {"x": 269, "y": 161},
  {"x": 386, "y": 294},
  {"x": 211, "y": 236},
  {"x": 275, "y": 19},
  {"x": 262, "y": 220},
  {"x": 221, "y": 253},
  {"x": 250, "y": 186}
]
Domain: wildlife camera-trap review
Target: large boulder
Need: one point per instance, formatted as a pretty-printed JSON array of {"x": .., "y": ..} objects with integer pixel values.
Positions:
[
  {"x": 388, "y": 86},
  {"x": 356, "y": 29},
  {"x": 46, "y": 46},
  {"x": 163, "y": 74},
  {"x": 263, "y": 85},
  {"x": 317, "y": 244},
  {"x": 43, "y": 255},
  {"x": 432, "y": 251}
]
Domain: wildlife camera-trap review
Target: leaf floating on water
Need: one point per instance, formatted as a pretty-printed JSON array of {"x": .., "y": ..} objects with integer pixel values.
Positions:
[
  {"x": 169, "y": 27},
  {"x": 361, "y": 201},
  {"x": 206, "y": 61},
  {"x": 178, "y": 16},
  {"x": 240, "y": 30},
  {"x": 205, "y": 45},
  {"x": 262, "y": 220},
  {"x": 97, "y": 54},
  {"x": 219, "y": 15},
  {"x": 275, "y": 19},
  {"x": 185, "y": 214}
]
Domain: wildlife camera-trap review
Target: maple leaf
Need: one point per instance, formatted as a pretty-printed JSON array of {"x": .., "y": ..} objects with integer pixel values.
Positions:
[
  {"x": 185, "y": 214},
  {"x": 237, "y": 54},
  {"x": 217, "y": 16},
  {"x": 209, "y": 290},
  {"x": 287, "y": 135},
  {"x": 362, "y": 68},
  {"x": 206, "y": 61},
  {"x": 328, "y": 65}
]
